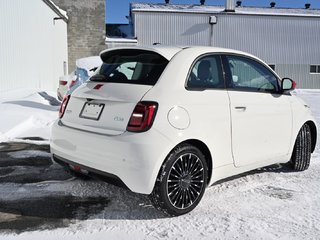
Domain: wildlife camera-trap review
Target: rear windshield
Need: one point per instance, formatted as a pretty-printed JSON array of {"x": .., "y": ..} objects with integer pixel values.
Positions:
[{"x": 130, "y": 66}]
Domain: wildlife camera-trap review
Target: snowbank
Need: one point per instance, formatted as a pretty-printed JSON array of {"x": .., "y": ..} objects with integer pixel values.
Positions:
[{"x": 27, "y": 113}]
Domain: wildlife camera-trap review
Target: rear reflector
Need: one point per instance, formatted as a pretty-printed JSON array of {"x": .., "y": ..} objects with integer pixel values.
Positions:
[
  {"x": 142, "y": 117},
  {"x": 75, "y": 168},
  {"x": 63, "y": 105}
]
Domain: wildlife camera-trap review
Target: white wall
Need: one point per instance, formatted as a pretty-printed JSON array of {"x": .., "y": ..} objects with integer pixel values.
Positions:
[{"x": 33, "y": 47}]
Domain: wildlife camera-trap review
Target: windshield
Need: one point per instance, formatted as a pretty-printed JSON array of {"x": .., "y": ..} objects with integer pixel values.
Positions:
[{"x": 130, "y": 66}]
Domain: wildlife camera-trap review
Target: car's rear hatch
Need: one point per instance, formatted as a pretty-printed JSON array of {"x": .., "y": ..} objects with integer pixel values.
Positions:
[{"x": 105, "y": 103}]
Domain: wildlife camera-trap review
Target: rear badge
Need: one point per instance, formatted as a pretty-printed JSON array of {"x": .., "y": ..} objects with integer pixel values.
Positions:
[{"x": 118, "y": 119}]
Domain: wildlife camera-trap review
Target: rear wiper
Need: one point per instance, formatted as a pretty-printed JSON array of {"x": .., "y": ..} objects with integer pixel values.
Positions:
[{"x": 98, "y": 78}]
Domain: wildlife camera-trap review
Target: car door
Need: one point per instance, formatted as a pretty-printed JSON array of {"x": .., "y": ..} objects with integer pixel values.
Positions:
[
  {"x": 207, "y": 102},
  {"x": 261, "y": 117}
]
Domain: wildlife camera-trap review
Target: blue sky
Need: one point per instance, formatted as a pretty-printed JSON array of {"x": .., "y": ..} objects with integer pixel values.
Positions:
[{"x": 116, "y": 10}]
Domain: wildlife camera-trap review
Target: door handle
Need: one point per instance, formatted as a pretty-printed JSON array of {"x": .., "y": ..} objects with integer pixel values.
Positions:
[{"x": 241, "y": 108}]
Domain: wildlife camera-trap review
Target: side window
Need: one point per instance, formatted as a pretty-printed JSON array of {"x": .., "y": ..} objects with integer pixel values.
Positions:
[
  {"x": 248, "y": 74},
  {"x": 206, "y": 73}
]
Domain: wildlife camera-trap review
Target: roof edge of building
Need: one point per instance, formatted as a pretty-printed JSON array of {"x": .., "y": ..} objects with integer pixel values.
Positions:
[
  {"x": 195, "y": 9},
  {"x": 61, "y": 13}
]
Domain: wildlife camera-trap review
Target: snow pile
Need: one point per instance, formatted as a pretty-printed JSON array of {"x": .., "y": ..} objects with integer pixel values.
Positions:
[
  {"x": 63, "y": 12},
  {"x": 26, "y": 113},
  {"x": 89, "y": 63}
]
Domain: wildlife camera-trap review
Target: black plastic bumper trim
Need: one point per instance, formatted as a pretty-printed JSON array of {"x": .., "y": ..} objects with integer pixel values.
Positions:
[{"x": 92, "y": 172}]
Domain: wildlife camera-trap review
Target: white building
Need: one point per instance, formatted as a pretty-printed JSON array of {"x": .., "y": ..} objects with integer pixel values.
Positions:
[
  {"x": 33, "y": 44},
  {"x": 287, "y": 39}
]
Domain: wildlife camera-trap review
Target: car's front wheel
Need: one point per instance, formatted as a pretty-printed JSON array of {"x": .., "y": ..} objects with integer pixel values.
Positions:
[
  {"x": 301, "y": 155},
  {"x": 181, "y": 181}
]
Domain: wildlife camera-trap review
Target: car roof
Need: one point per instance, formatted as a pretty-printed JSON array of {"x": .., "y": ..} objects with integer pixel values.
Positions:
[
  {"x": 169, "y": 51},
  {"x": 166, "y": 51}
]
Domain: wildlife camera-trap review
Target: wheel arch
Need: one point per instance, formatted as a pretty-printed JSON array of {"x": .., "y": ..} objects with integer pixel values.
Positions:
[
  {"x": 313, "y": 130},
  {"x": 206, "y": 152}
]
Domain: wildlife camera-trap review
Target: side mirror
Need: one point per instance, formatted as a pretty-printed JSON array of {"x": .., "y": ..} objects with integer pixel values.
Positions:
[{"x": 288, "y": 84}]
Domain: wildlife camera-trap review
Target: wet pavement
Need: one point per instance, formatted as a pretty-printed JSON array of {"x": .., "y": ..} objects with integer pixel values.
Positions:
[{"x": 26, "y": 201}]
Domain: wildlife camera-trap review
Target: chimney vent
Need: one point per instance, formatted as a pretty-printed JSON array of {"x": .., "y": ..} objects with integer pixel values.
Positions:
[
  {"x": 239, "y": 3},
  {"x": 307, "y": 5},
  {"x": 230, "y": 6},
  {"x": 273, "y": 4},
  {"x": 202, "y": 2}
]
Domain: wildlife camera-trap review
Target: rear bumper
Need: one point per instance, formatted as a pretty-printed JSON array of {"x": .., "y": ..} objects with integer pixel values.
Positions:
[
  {"x": 90, "y": 172},
  {"x": 134, "y": 158}
]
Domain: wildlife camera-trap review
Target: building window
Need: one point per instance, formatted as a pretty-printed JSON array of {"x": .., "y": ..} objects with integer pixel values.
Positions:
[
  {"x": 314, "y": 68},
  {"x": 272, "y": 66},
  {"x": 119, "y": 31}
]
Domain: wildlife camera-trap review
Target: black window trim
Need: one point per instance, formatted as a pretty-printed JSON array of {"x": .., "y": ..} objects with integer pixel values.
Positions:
[
  {"x": 192, "y": 66},
  {"x": 228, "y": 75},
  {"x": 272, "y": 66}
]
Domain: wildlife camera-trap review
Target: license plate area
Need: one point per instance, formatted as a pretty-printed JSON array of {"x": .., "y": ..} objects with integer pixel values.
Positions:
[{"x": 92, "y": 111}]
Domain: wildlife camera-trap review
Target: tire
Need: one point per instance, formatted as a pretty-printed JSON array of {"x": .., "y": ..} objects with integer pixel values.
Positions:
[
  {"x": 300, "y": 159},
  {"x": 181, "y": 182}
]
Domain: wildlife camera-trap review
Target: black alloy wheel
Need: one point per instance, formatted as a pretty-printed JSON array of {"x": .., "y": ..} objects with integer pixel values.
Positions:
[
  {"x": 185, "y": 181},
  {"x": 181, "y": 181}
]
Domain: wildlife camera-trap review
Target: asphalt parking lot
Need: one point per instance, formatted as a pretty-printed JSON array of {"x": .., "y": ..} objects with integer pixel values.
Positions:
[{"x": 24, "y": 204}]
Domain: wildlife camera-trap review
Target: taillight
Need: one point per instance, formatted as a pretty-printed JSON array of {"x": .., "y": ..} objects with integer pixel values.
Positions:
[
  {"x": 142, "y": 117},
  {"x": 73, "y": 82},
  {"x": 63, "y": 105},
  {"x": 63, "y": 82}
]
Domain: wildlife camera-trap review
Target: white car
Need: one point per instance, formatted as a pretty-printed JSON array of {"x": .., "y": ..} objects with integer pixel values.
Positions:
[
  {"x": 65, "y": 82},
  {"x": 170, "y": 121},
  {"x": 85, "y": 68}
]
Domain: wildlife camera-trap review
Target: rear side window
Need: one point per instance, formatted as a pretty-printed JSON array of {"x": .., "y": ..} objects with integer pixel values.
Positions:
[
  {"x": 130, "y": 66},
  {"x": 206, "y": 73}
]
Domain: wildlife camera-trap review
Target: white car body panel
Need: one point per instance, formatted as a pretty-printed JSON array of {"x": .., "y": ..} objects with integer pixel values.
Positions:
[
  {"x": 119, "y": 101},
  {"x": 266, "y": 122},
  {"x": 207, "y": 116},
  {"x": 127, "y": 156}
]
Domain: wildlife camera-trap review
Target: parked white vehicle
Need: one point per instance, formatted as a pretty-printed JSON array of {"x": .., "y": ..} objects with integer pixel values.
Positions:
[
  {"x": 65, "y": 82},
  {"x": 170, "y": 121},
  {"x": 85, "y": 68}
]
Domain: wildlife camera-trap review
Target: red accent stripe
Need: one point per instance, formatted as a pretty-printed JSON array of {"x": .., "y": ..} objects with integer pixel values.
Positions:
[{"x": 98, "y": 86}]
